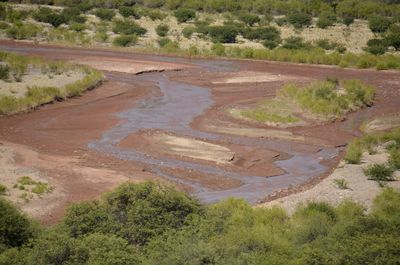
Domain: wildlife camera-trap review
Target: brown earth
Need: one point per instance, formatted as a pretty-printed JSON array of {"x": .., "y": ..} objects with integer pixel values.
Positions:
[{"x": 54, "y": 139}]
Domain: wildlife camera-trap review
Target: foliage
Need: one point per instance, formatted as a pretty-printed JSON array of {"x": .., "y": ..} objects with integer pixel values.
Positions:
[
  {"x": 348, "y": 20},
  {"x": 322, "y": 98},
  {"x": 249, "y": 19},
  {"x": 380, "y": 173},
  {"x": 326, "y": 20},
  {"x": 377, "y": 46},
  {"x": 188, "y": 31},
  {"x": 184, "y": 15},
  {"x": 3, "y": 189},
  {"x": 394, "y": 158},
  {"x": 353, "y": 153},
  {"x": 223, "y": 34},
  {"x": 125, "y": 40},
  {"x": 127, "y": 27},
  {"x": 77, "y": 27},
  {"x": 104, "y": 13},
  {"x": 4, "y": 72},
  {"x": 49, "y": 16},
  {"x": 162, "y": 30},
  {"x": 378, "y": 24},
  {"x": 21, "y": 31},
  {"x": 393, "y": 37},
  {"x": 129, "y": 11},
  {"x": 263, "y": 33},
  {"x": 299, "y": 20},
  {"x": 295, "y": 43}
]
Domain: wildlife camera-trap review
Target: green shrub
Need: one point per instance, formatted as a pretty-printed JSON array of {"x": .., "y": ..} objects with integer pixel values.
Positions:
[
  {"x": 377, "y": 46},
  {"x": 162, "y": 30},
  {"x": 3, "y": 189},
  {"x": 271, "y": 44},
  {"x": 218, "y": 49},
  {"x": 393, "y": 37},
  {"x": 223, "y": 34},
  {"x": 4, "y": 25},
  {"x": 394, "y": 158},
  {"x": 188, "y": 31},
  {"x": 22, "y": 31},
  {"x": 295, "y": 43},
  {"x": 128, "y": 27},
  {"x": 326, "y": 20},
  {"x": 4, "y": 72},
  {"x": 184, "y": 15},
  {"x": 299, "y": 20},
  {"x": 281, "y": 21},
  {"x": 153, "y": 14},
  {"x": 380, "y": 173},
  {"x": 104, "y": 13},
  {"x": 249, "y": 19},
  {"x": 378, "y": 24},
  {"x": 163, "y": 41},
  {"x": 348, "y": 20},
  {"x": 263, "y": 33},
  {"x": 77, "y": 27},
  {"x": 128, "y": 11},
  {"x": 46, "y": 15},
  {"x": 125, "y": 40}
]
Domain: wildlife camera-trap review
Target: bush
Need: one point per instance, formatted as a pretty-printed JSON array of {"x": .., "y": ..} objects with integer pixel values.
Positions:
[
  {"x": 378, "y": 24},
  {"x": 163, "y": 41},
  {"x": 153, "y": 14},
  {"x": 295, "y": 43},
  {"x": 128, "y": 11},
  {"x": 223, "y": 34},
  {"x": 218, "y": 49},
  {"x": 46, "y": 15},
  {"x": 249, "y": 19},
  {"x": 78, "y": 27},
  {"x": 263, "y": 33},
  {"x": 162, "y": 30},
  {"x": 380, "y": 173},
  {"x": 3, "y": 190},
  {"x": 281, "y": 21},
  {"x": 188, "y": 31},
  {"x": 24, "y": 31},
  {"x": 348, "y": 20},
  {"x": 326, "y": 20},
  {"x": 271, "y": 44},
  {"x": 377, "y": 46},
  {"x": 4, "y": 72},
  {"x": 184, "y": 15},
  {"x": 128, "y": 27},
  {"x": 125, "y": 40},
  {"x": 341, "y": 184},
  {"x": 104, "y": 13},
  {"x": 394, "y": 158},
  {"x": 393, "y": 37},
  {"x": 299, "y": 20}
]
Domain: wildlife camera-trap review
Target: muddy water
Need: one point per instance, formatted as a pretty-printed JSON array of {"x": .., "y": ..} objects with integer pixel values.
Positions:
[{"x": 174, "y": 111}]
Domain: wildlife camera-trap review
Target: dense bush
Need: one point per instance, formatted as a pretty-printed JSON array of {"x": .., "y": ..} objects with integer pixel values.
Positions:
[
  {"x": 184, "y": 15},
  {"x": 22, "y": 31},
  {"x": 348, "y": 20},
  {"x": 295, "y": 43},
  {"x": 104, "y": 13},
  {"x": 128, "y": 11},
  {"x": 223, "y": 34},
  {"x": 326, "y": 20},
  {"x": 187, "y": 32},
  {"x": 377, "y": 46},
  {"x": 125, "y": 40},
  {"x": 162, "y": 30},
  {"x": 380, "y": 173},
  {"x": 151, "y": 224},
  {"x": 299, "y": 20},
  {"x": 46, "y": 15},
  {"x": 262, "y": 33},
  {"x": 393, "y": 37},
  {"x": 353, "y": 153},
  {"x": 127, "y": 27},
  {"x": 77, "y": 27},
  {"x": 249, "y": 19},
  {"x": 378, "y": 24}
]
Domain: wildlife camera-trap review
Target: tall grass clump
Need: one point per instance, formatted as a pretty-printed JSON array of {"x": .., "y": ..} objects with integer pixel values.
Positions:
[
  {"x": 353, "y": 153},
  {"x": 329, "y": 99}
]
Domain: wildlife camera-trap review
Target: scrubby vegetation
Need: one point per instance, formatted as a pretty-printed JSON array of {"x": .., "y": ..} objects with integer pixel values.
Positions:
[
  {"x": 152, "y": 224},
  {"x": 36, "y": 96},
  {"x": 330, "y": 99}
]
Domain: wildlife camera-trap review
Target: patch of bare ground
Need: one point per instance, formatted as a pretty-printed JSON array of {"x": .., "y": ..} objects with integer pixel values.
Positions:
[{"x": 356, "y": 187}]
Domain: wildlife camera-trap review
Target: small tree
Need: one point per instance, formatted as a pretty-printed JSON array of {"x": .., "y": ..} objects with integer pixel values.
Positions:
[
  {"x": 393, "y": 37},
  {"x": 223, "y": 34},
  {"x": 377, "y": 46},
  {"x": 184, "y": 15},
  {"x": 378, "y": 24}
]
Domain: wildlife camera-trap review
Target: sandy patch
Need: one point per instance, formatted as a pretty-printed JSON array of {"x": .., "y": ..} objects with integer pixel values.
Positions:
[
  {"x": 195, "y": 149},
  {"x": 360, "y": 189},
  {"x": 36, "y": 78},
  {"x": 382, "y": 124},
  {"x": 127, "y": 65},
  {"x": 251, "y": 77}
]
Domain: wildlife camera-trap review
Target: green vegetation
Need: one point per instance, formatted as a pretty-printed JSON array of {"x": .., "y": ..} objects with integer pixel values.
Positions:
[
  {"x": 37, "y": 187},
  {"x": 128, "y": 27},
  {"x": 4, "y": 72},
  {"x": 381, "y": 173},
  {"x": 36, "y": 96},
  {"x": 369, "y": 141},
  {"x": 223, "y": 34},
  {"x": 162, "y": 30},
  {"x": 341, "y": 184},
  {"x": 379, "y": 24},
  {"x": 104, "y": 13},
  {"x": 299, "y": 20},
  {"x": 249, "y": 19},
  {"x": 3, "y": 189},
  {"x": 153, "y": 224},
  {"x": 326, "y": 20},
  {"x": 125, "y": 40},
  {"x": 184, "y": 15},
  {"x": 49, "y": 16},
  {"x": 329, "y": 99}
]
